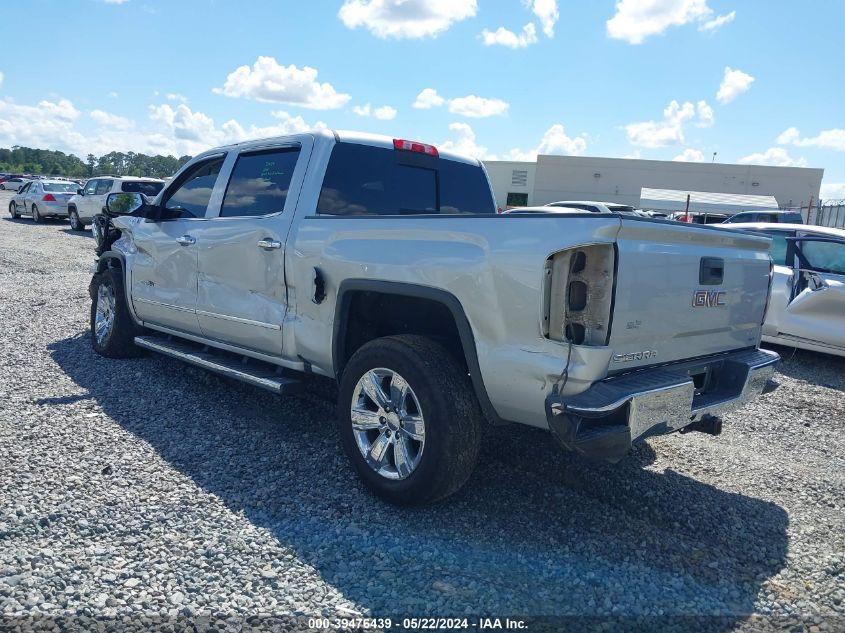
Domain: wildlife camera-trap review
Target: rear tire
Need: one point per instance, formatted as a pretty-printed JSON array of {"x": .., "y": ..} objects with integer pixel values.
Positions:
[
  {"x": 75, "y": 222},
  {"x": 13, "y": 211},
  {"x": 113, "y": 331},
  {"x": 36, "y": 216},
  {"x": 444, "y": 413}
]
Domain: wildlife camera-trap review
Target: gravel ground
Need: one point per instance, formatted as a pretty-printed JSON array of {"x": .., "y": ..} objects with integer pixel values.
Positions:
[{"x": 148, "y": 492}]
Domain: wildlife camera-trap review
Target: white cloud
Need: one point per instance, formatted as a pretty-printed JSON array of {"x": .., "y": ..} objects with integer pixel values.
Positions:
[
  {"x": 169, "y": 130},
  {"x": 734, "y": 83},
  {"x": 465, "y": 142},
  {"x": 115, "y": 1},
  {"x": 504, "y": 37},
  {"x": 706, "y": 118},
  {"x": 268, "y": 81},
  {"x": 112, "y": 95},
  {"x": 175, "y": 96},
  {"x": 106, "y": 119},
  {"x": 47, "y": 125},
  {"x": 637, "y": 20},
  {"x": 384, "y": 113},
  {"x": 690, "y": 155},
  {"x": 428, "y": 98},
  {"x": 826, "y": 139},
  {"x": 405, "y": 18},
  {"x": 545, "y": 10},
  {"x": 1, "y": 78},
  {"x": 717, "y": 22},
  {"x": 548, "y": 14},
  {"x": 776, "y": 156},
  {"x": 669, "y": 131},
  {"x": 554, "y": 141},
  {"x": 832, "y": 191},
  {"x": 478, "y": 107}
]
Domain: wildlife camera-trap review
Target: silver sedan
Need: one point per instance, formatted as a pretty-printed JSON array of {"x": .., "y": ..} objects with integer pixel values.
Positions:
[
  {"x": 807, "y": 305},
  {"x": 42, "y": 198}
]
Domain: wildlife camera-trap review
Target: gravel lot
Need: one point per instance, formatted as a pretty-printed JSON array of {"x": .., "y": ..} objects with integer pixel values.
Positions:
[{"x": 149, "y": 490}]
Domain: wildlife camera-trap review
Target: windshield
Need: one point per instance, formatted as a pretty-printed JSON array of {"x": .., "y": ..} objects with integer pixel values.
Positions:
[
  {"x": 150, "y": 189},
  {"x": 60, "y": 187}
]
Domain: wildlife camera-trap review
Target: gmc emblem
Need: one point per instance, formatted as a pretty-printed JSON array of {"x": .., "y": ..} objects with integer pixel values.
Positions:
[{"x": 708, "y": 298}]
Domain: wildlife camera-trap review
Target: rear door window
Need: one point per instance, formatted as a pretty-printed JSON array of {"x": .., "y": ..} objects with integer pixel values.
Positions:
[
  {"x": 259, "y": 183},
  {"x": 366, "y": 180},
  {"x": 103, "y": 187},
  {"x": 777, "y": 250}
]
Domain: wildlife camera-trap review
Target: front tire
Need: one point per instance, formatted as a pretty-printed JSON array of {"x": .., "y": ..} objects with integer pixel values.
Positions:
[
  {"x": 409, "y": 420},
  {"x": 75, "y": 222},
  {"x": 113, "y": 331},
  {"x": 36, "y": 216}
]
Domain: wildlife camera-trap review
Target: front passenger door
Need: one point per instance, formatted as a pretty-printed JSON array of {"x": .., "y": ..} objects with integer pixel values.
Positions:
[
  {"x": 242, "y": 297},
  {"x": 164, "y": 272},
  {"x": 815, "y": 311}
]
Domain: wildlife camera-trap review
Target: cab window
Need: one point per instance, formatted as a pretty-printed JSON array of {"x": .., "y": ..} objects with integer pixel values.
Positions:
[
  {"x": 259, "y": 183},
  {"x": 190, "y": 198}
]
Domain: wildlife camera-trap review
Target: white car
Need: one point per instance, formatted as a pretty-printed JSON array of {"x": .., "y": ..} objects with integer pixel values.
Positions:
[
  {"x": 807, "y": 307},
  {"x": 91, "y": 199},
  {"x": 596, "y": 207},
  {"x": 42, "y": 198},
  {"x": 13, "y": 184}
]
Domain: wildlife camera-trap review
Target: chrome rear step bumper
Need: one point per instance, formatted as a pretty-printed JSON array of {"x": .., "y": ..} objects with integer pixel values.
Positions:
[{"x": 604, "y": 421}]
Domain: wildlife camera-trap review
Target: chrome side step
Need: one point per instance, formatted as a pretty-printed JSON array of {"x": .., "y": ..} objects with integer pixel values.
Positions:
[{"x": 248, "y": 370}]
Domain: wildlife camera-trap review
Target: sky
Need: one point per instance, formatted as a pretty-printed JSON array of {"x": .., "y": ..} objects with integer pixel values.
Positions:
[{"x": 753, "y": 81}]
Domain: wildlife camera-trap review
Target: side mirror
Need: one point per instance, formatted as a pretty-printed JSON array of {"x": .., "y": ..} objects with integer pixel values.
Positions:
[
  {"x": 125, "y": 203},
  {"x": 80, "y": 192}
]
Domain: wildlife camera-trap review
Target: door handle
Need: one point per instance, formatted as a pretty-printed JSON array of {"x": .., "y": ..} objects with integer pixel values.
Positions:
[
  {"x": 269, "y": 244},
  {"x": 186, "y": 240}
]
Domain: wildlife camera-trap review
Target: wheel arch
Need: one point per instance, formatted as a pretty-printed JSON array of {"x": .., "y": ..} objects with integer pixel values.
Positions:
[{"x": 351, "y": 288}]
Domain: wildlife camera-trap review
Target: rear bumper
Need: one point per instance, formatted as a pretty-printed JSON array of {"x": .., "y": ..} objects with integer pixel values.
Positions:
[{"x": 604, "y": 421}]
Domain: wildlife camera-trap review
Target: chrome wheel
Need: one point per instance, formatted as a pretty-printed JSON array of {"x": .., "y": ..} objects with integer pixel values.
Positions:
[
  {"x": 104, "y": 317},
  {"x": 388, "y": 423},
  {"x": 95, "y": 230}
]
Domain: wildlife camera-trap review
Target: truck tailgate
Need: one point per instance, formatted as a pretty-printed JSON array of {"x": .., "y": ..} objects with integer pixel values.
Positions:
[{"x": 685, "y": 291}]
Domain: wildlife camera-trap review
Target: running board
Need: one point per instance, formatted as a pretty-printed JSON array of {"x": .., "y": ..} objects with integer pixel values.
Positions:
[{"x": 249, "y": 370}]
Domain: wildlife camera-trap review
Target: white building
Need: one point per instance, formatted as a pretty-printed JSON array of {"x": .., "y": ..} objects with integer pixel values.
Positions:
[{"x": 621, "y": 180}]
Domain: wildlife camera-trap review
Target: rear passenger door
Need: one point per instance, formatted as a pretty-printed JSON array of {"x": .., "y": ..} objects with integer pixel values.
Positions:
[{"x": 242, "y": 296}]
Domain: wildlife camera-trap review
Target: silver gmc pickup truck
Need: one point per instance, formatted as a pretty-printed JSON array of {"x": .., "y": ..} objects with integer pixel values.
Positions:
[{"x": 383, "y": 264}]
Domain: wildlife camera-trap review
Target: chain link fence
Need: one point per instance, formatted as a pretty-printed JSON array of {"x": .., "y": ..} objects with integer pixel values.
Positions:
[{"x": 829, "y": 213}]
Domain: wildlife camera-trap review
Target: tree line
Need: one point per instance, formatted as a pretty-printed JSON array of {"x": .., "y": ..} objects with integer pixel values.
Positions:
[{"x": 26, "y": 160}]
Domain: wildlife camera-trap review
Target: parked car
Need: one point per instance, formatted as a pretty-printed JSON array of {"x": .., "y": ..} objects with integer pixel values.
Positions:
[
  {"x": 596, "y": 207},
  {"x": 13, "y": 184},
  {"x": 770, "y": 216},
  {"x": 91, "y": 199},
  {"x": 698, "y": 217},
  {"x": 41, "y": 199},
  {"x": 807, "y": 308},
  {"x": 383, "y": 264}
]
